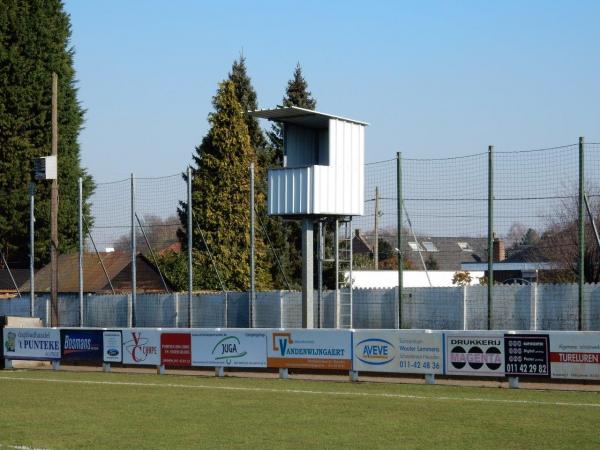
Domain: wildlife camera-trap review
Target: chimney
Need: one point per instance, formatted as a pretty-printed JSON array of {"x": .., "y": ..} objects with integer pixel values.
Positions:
[
  {"x": 499, "y": 250},
  {"x": 357, "y": 232}
]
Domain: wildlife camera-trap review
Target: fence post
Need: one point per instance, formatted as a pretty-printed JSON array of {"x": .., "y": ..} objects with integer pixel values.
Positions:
[
  {"x": 581, "y": 265},
  {"x": 80, "y": 230},
  {"x": 376, "y": 228},
  {"x": 190, "y": 234},
  {"x": 399, "y": 255},
  {"x": 129, "y": 311},
  {"x": 133, "y": 253},
  {"x": 32, "y": 248},
  {"x": 176, "y": 300},
  {"x": 252, "y": 262},
  {"x": 490, "y": 235},
  {"x": 465, "y": 308},
  {"x": 535, "y": 307}
]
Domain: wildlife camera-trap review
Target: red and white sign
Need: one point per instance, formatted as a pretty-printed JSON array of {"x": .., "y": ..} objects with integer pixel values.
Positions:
[
  {"x": 141, "y": 346},
  {"x": 176, "y": 349},
  {"x": 575, "y": 355}
]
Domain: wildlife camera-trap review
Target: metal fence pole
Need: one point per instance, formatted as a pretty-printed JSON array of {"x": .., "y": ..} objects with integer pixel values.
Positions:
[
  {"x": 133, "y": 252},
  {"x": 190, "y": 234},
  {"x": 32, "y": 248},
  {"x": 399, "y": 255},
  {"x": 80, "y": 230},
  {"x": 490, "y": 234},
  {"x": 581, "y": 265},
  {"x": 252, "y": 262},
  {"x": 376, "y": 227}
]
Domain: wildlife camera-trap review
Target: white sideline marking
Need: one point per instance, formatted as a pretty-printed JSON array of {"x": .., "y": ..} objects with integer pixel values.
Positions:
[
  {"x": 303, "y": 391},
  {"x": 20, "y": 447}
]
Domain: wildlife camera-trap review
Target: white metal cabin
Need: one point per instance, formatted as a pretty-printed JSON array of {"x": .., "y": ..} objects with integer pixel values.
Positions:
[{"x": 323, "y": 164}]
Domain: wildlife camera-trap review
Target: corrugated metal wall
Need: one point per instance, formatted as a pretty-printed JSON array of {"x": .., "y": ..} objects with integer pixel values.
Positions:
[
  {"x": 333, "y": 189},
  {"x": 529, "y": 307}
]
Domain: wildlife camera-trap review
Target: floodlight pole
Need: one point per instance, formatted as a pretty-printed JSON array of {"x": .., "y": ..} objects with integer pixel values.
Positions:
[{"x": 54, "y": 211}]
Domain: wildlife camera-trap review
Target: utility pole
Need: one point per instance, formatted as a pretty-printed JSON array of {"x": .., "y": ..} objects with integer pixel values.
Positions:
[
  {"x": 376, "y": 226},
  {"x": 54, "y": 320}
]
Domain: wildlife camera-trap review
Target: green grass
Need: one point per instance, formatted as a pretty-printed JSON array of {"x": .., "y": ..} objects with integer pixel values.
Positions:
[{"x": 197, "y": 412}]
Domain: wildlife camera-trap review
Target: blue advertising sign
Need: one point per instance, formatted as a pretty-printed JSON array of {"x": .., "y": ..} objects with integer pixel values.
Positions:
[{"x": 81, "y": 345}]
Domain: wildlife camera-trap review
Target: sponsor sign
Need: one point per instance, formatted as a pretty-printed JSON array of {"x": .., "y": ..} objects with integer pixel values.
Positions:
[
  {"x": 575, "y": 355},
  {"x": 526, "y": 354},
  {"x": 229, "y": 348},
  {"x": 476, "y": 354},
  {"x": 397, "y": 351},
  {"x": 31, "y": 343},
  {"x": 112, "y": 344},
  {"x": 81, "y": 345},
  {"x": 176, "y": 349},
  {"x": 310, "y": 349},
  {"x": 141, "y": 346}
]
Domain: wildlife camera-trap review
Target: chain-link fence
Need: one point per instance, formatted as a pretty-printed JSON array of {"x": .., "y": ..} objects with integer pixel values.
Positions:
[{"x": 533, "y": 202}]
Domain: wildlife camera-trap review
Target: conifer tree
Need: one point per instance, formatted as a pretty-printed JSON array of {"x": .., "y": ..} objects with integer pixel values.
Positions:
[
  {"x": 246, "y": 95},
  {"x": 34, "y": 42},
  {"x": 220, "y": 201},
  {"x": 285, "y": 235}
]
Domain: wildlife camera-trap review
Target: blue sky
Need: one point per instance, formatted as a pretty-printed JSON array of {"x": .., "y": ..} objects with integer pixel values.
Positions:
[{"x": 434, "y": 79}]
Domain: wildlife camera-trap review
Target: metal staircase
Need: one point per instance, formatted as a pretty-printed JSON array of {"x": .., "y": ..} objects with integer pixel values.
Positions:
[{"x": 343, "y": 269}]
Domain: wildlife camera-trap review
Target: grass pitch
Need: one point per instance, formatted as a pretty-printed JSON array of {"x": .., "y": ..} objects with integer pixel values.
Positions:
[{"x": 42, "y": 409}]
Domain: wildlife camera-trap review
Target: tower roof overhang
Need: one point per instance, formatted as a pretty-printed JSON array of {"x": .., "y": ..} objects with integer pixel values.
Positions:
[{"x": 300, "y": 116}]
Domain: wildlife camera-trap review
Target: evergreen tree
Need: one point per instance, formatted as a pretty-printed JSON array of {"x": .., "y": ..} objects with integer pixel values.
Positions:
[
  {"x": 246, "y": 96},
  {"x": 220, "y": 201},
  {"x": 296, "y": 94},
  {"x": 285, "y": 235},
  {"x": 34, "y": 42}
]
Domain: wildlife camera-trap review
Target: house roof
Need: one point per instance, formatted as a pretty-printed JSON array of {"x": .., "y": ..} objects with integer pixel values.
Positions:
[
  {"x": 522, "y": 258},
  {"x": 300, "y": 116},
  {"x": 6, "y": 283},
  {"x": 360, "y": 246},
  {"x": 94, "y": 278},
  {"x": 448, "y": 252}
]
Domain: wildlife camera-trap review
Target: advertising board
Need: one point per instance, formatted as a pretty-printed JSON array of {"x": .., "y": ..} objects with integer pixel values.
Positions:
[
  {"x": 112, "y": 345},
  {"x": 474, "y": 354},
  {"x": 31, "y": 343},
  {"x": 575, "y": 355},
  {"x": 398, "y": 351},
  {"x": 176, "y": 349},
  {"x": 229, "y": 348},
  {"x": 310, "y": 349},
  {"x": 81, "y": 345},
  {"x": 141, "y": 346},
  {"x": 526, "y": 354}
]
